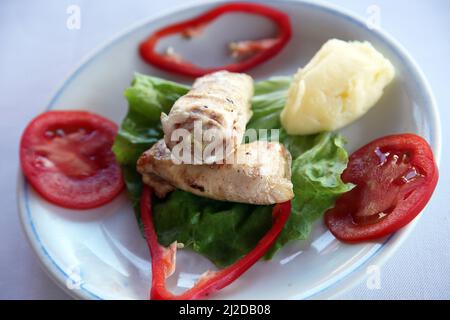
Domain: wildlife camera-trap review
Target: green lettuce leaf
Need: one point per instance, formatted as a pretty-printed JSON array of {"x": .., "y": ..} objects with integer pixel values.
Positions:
[
  {"x": 225, "y": 231},
  {"x": 221, "y": 231},
  {"x": 316, "y": 176},
  {"x": 267, "y": 103}
]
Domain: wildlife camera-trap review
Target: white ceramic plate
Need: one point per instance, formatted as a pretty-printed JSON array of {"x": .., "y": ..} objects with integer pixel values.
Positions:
[{"x": 100, "y": 254}]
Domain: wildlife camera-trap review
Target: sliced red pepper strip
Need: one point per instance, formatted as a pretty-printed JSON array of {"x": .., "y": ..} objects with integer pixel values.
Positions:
[
  {"x": 191, "y": 27},
  {"x": 163, "y": 259}
]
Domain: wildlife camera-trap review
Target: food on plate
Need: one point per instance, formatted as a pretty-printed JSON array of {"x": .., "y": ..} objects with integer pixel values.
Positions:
[
  {"x": 157, "y": 168},
  {"x": 215, "y": 228},
  {"x": 163, "y": 258},
  {"x": 259, "y": 174},
  {"x": 67, "y": 158},
  {"x": 339, "y": 85},
  {"x": 231, "y": 200},
  {"x": 249, "y": 52},
  {"x": 225, "y": 231},
  {"x": 218, "y": 104},
  {"x": 394, "y": 179}
]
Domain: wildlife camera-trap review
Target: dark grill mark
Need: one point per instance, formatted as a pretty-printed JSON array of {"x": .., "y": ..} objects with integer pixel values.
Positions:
[
  {"x": 230, "y": 101},
  {"x": 217, "y": 117},
  {"x": 197, "y": 187}
]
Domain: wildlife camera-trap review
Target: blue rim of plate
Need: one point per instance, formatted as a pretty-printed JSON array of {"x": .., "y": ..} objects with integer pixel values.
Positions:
[{"x": 61, "y": 277}]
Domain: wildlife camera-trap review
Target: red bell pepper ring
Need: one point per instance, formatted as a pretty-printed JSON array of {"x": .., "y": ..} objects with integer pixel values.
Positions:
[
  {"x": 261, "y": 50},
  {"x": 163, "y": 259}
]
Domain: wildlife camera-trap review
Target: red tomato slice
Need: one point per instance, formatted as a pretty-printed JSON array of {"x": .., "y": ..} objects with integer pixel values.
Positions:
[
  {"x": 67, "y": 158},
  {"x": 395, "y": 177}
]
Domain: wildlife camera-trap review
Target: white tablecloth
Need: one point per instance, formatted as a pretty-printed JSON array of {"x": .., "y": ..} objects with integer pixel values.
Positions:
[{"x": 37, "y": 51}]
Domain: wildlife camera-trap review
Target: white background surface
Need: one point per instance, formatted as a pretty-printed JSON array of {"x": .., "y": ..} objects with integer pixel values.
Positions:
[{"x": 37, "y": 51}]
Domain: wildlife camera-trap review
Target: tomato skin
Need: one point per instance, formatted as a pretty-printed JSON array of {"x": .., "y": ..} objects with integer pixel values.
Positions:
[
  {"x": 76, "y": 170},
  {"x": 377, "y": 186}
]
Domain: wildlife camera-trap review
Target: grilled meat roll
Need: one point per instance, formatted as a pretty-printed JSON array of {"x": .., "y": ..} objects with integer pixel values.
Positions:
[
  {"x": 218, "y": 102},
  {"x": 259, "y": 173}
]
